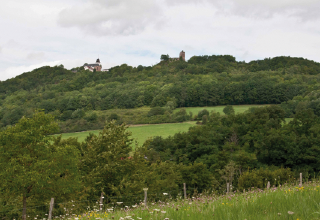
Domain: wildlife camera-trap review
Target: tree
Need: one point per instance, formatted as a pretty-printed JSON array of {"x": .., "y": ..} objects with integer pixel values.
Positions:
[
  {"x": 228, "y": 110},
  {"x": 105, "y": 159},
  {"x": 164, "y": 57},
  {"x": 30, "y": 165}
]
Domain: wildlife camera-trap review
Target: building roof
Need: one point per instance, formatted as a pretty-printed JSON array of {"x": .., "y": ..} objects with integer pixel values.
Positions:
[{"x": 94, "y": 64}]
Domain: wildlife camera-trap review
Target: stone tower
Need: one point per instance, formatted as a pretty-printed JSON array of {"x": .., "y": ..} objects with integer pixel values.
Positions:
[
  {"x": 182, "y": 55},
  {"x": 99, "y": 66}
]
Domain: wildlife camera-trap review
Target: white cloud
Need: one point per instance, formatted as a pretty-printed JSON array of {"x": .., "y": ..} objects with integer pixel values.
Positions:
[
  {"x": 0, "y": 49},
  {"x": 138, "y": 32},
  {"x": 113, "y": 17},
  {"x": 35, "y": 56}
]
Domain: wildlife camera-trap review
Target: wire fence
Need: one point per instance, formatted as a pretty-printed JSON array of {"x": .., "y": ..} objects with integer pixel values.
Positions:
[{"x": 106, "y": 203}]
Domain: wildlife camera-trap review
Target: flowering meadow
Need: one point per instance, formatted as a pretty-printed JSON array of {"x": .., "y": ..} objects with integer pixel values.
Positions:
[{"x": 284, "y": 202}]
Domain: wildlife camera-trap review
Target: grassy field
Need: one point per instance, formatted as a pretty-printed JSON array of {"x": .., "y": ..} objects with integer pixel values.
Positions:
[
  {"x": 237, "y": 108},
  {"x": 141, "y": 133}
]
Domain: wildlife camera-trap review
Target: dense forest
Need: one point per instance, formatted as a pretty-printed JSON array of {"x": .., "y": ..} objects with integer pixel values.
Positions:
[{"x": 81, "y": 97}]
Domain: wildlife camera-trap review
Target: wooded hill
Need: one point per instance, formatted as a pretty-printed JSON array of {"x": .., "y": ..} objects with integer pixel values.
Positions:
[{"x": 80, "y": 98}]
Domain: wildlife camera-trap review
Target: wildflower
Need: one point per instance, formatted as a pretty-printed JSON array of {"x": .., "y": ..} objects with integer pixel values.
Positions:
[
  {"x": 165, "y": 194},
  {"x": 163, "y": 212},
  {"x": 139, "y": 218},
  {"x": 119, "y": 203},
  {"x": 279, "y": 213},
  {"x": 290, "y": 213},
  {"x": 134, "y": 206}
]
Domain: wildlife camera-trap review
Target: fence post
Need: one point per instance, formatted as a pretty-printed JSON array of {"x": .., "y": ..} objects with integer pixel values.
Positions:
[
  {"x": 185, "y": 190},
  {"x": 268, "y": 185},
  {"x": 145, "y": 196},
  {"x": 300, "y": 179},
  {"x": 101, "y": 201},
  {"x": 228, "y": 187},
  {"x": 51, "y": 208}
]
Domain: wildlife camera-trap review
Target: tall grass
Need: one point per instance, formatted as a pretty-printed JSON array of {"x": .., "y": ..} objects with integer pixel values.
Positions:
[{"x": 285, "y": 202}]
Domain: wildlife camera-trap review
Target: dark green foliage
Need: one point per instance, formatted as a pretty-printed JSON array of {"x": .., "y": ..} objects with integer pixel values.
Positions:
[
  {"x": 156, "y": 111},
  {"x": 91, "y": 116},
  {"x": 202, "y": 113},
  {"x": 202, "y": 81},
  {"x": 113, "y": 116},
  {"x": 228, "y": 110},
  {"x": 164, "y": 57},
  {"x": 260, "y": 178},
  {"x": 256, "y": 139}
]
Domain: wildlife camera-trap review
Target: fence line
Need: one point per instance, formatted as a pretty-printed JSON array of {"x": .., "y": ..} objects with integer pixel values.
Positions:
[{"x": 53, "y": 209}]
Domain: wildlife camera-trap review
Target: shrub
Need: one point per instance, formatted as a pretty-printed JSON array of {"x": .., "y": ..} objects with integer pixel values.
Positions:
[
  {"x": 204, "y": 119},
  {"x": 156, "y": 111},
  {"x": 202, "y": 113},
  {"x": 91, "y": 117},
  {"x": 228, "y": 110},
  {"x": 259, "y": 178},
  {"x": 79, "y": 113},
  {"x": 113, "y": 116}
]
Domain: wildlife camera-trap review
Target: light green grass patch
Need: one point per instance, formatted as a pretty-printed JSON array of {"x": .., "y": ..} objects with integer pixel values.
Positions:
[
  {"x": 141, "y": 133},
  {"x": 237, "y": 108}
]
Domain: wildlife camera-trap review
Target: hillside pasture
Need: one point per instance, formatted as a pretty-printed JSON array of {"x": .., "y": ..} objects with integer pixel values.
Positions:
[
  {"x": 141, "y": 133},
  {"x": 237, "y": 108}
]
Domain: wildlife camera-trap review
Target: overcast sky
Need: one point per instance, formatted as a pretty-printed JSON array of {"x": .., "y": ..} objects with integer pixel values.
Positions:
[{"x": 35, "y": 33}]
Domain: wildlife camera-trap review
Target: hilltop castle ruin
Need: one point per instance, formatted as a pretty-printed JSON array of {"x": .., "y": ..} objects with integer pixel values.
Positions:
[{"x": 182, "y": 55}]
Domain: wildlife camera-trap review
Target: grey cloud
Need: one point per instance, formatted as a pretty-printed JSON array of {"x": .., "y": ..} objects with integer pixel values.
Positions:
[
  {"x": 35, "y": 56},
  {"x": 113, "y": 17},
  {"x": 303, "y": 9}
]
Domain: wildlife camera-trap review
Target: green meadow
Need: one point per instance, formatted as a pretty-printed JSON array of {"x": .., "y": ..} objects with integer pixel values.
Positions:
[
  {"x": 141, "y": 133},
  {"x": 237, "y": 108}
]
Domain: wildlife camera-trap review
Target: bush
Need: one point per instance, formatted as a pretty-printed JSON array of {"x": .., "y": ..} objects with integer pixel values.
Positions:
[
  {"x": 181, "y": 115},
  {"x": 113, "y": 116},
  {"x": 202, "y": 113},
  {"x": 79, "y": 113},
  {"x": 91, "y": 117},
  {"x": 204, "y": 119},
  {"x": 228, "y": 110},
  {"x": 156, "y": 111},
  {"x": 259, "y": 178}
]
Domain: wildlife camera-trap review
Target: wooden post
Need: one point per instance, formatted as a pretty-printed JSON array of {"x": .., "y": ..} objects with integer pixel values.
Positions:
[
  {"x": 228, "y": 187},
  {"x": 300, "y": 179},
  {"x": 185, "y": 190},
  {"x": 101, "y": 201},
  {"x": 24, "y": 210},
  {"x": 268, "y": 185},
  {"x": 51, "y": 208},
  {"x": 145, "y": 196}
]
